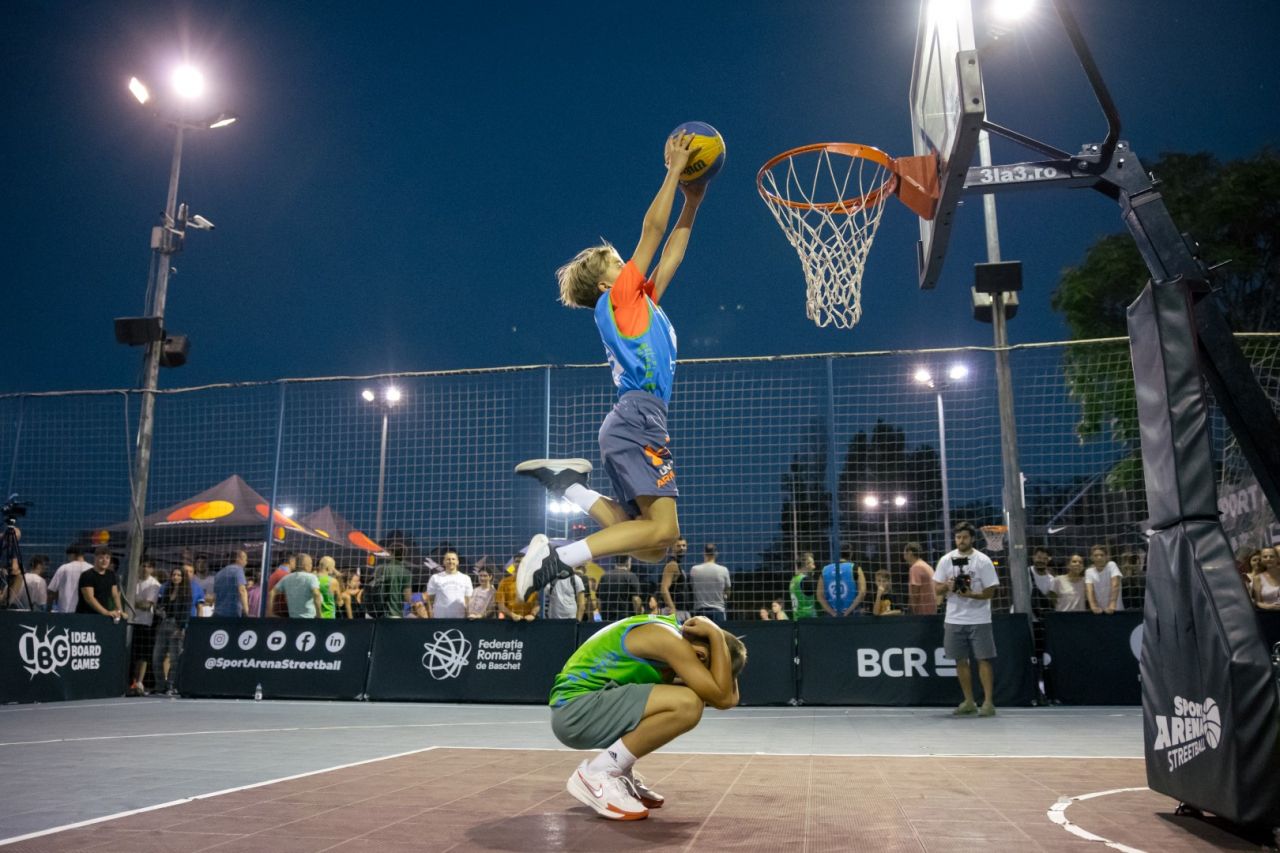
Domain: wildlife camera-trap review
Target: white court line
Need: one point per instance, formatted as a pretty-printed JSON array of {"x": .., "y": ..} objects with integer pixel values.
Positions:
[
  {"x": 1058, "y": 814},
  {"x": 15, "y": 839},
  {"x": 450, "y": 724}
]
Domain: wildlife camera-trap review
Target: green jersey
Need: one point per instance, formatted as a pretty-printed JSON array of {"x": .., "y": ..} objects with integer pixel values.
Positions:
[
  {"x": 603, "y": 660},
  {"x": 802, "y": 603},
  {"x": 327, "y": 606}
]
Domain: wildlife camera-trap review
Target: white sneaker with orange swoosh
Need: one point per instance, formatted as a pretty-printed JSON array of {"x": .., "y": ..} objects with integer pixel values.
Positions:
[{"x": 608, "y": 795}]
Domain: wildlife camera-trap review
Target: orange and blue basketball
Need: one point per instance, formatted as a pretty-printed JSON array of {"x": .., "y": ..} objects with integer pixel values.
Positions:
[{"x": 706, "y": 153}]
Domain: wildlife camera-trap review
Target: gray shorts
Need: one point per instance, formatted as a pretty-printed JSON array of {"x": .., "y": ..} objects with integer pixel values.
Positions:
[
  {"x": 962, "y": 642},
  {"x": 595, "y": 720},
  {"x": 634, "y": 446}
]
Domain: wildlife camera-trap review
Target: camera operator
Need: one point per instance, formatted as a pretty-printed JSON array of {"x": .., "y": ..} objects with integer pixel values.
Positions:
[{"x": 969, "y": 580}]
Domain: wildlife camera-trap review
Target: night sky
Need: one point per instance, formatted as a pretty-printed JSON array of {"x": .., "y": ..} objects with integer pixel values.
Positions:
[{"x": 405, "y": 178}]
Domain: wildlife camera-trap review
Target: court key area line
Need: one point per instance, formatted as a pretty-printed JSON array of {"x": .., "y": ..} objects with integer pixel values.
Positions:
[{"x": 1058, "y": 814}]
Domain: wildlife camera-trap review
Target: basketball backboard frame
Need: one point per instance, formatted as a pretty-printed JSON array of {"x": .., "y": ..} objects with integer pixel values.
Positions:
[{"x": 948, "y": 108}]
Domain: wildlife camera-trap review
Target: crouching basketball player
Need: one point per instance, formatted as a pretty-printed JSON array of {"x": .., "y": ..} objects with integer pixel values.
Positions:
[{"x": 632, "y": 687}]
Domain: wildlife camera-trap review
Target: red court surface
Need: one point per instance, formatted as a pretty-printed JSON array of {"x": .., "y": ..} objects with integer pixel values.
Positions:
[{"x": 485, "y": 799}]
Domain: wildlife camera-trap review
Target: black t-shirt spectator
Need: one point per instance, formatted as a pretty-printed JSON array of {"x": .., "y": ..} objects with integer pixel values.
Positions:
[
  {"x": 101, "y": 584},
  {"x": 614, "y": 591}
]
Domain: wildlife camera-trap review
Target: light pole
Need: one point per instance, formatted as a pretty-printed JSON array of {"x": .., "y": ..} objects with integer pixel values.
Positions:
[
  {"x": 390, "y": 397},
  {"x": 187, "y": 85},
  {"x": 872, "y": 502},
  {"x": 955, "y": 373}
]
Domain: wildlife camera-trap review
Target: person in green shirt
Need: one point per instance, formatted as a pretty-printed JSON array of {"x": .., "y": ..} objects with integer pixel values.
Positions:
[
  {"x": 328, "y": 605},
  {"x": 632, "y": 687},
  {"x": 804, "y": 589}
]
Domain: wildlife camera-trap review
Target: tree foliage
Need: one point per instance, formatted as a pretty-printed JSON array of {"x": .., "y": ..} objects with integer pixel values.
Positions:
[{"x": 1232, "y": 210}]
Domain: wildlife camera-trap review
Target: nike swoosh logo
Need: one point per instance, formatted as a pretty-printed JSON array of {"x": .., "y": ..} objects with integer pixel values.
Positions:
[{"x": 598, "y": 793}]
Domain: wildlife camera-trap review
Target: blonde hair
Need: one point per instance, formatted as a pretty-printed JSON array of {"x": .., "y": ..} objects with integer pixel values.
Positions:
[{"x": 580, "y": 278}]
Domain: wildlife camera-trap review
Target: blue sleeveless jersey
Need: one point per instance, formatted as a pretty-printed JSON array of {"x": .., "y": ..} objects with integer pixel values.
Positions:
[{"x": 638, "y": 338}]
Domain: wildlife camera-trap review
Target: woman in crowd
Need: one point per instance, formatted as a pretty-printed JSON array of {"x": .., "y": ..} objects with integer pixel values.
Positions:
[
  {"x": 482, "y": 605},
  {"x": 172, "y": 614},
  {"x": 1247, "y": 559},
  {"x": 1069, "y": 589},
  {"x": 353, "y": 589},
  {"x": 1266, "y": 583}
]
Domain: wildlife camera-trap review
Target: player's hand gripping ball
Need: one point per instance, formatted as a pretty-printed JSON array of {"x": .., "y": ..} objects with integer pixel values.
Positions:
[{"x": 706, "y": 153}]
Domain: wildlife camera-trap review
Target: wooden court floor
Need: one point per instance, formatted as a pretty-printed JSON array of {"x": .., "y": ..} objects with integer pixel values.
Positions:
[{"x": 456, "y": 799}]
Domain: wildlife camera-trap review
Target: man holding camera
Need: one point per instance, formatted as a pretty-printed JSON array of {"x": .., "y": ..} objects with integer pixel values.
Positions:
[{"x": 969, "y": 580}]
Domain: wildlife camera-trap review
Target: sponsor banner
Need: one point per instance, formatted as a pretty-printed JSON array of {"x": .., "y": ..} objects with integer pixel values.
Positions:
[
  {"x": 770, "y": 675},
  {"x": 899, "y": 660},
  {"x": 1094, "y": 658},
  {"x": 290, "y": 658},
  {"x": 54, "y": 657},
  {"x": 455, "y": 660}
]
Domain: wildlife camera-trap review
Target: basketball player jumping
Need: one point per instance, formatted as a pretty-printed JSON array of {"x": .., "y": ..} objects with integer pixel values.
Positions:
[{"x": 641, "y": 346}]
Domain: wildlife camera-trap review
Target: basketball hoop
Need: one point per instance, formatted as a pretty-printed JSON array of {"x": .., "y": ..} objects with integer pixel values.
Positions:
[
  {"x": 994, "y": 534},
  {"x": 828, "y": 199}
]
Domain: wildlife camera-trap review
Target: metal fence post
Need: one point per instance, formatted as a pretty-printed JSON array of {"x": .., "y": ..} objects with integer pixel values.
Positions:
[{"x": 263, "y": 601}]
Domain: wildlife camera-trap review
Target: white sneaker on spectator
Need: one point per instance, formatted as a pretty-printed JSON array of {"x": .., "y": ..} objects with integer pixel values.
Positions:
[
  {"x": 608, "y": 795},
  {"x": 642, "y": 792}
]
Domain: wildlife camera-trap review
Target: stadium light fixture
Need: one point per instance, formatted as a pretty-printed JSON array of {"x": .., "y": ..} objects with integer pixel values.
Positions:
[
  {"x": 287, "y": 511},
  {"x": 958, "y": 371},
  {"x": 368, "y": 395},
  {"x": 871, "y": 501},
  {"x": 392, "y": 395},
  {"x": 166, "y": 239},
  {"x": 899, "y": 501},
  {"x": 923, "y": 376},
  {"x": 1012, "y": 10},
  {"x": 187, "y": 82},
  {"x": 139, "y": 90}
]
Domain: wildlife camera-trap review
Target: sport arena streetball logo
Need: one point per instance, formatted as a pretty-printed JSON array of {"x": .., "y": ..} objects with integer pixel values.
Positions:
[
  {"x": 446, "y": 654},
  {"x": 1193, "y": 728}
]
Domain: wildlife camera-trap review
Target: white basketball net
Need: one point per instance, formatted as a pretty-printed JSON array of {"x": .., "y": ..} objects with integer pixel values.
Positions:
[
  {"x": 804, "y": 191},
  {"x": 994, "y": 537}
]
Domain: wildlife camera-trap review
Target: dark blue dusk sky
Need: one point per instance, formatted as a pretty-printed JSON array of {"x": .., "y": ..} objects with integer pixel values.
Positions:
[{"x": 405, "y": 177}]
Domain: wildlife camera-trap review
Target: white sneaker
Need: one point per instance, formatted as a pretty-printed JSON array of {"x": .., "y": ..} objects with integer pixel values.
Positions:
[
  {"x": 650, "y": 798},
  {"x": 608, "y": 795},
  {"x": 539, "y": 548},
  {"x": 556, "y": 475}
]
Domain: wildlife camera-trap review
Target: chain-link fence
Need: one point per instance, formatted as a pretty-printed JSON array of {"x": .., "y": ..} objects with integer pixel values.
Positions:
[{"x": 775, "y": 457}]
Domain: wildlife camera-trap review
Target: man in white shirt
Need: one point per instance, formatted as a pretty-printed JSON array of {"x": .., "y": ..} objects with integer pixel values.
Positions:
[
  {"x": 37, "y": 588},
  {"x": 1102, "y": 582},
  {"x": 145, "y": 596},
  {"x": 449, "y": 592},
  {"x": 969, "y": 580},
  {"x": 65, "y": 582}
]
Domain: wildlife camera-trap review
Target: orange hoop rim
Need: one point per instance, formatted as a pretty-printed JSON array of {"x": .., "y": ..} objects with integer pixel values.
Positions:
[{"x": 849, "y": 149}]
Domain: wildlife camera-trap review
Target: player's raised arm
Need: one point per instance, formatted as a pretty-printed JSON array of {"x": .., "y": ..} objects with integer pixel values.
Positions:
[
  {"x": 713, "y": 681},
  {"x": 673, "y": 251},
  {"x": 656, "y": 218}
]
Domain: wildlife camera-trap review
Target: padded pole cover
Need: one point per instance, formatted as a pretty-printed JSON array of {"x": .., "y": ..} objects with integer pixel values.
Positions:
[{"x": 1210, "y": 704}]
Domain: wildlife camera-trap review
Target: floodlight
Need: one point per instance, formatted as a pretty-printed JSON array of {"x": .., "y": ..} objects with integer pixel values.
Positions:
[
  {"x": 392, "y": 394},
  {"x": 368, "y": 395},
  {"x": 287, "y": 511},
  {"x": 923, "y": 376},
  {"x": 187, "y": 81},
  {"x": 899, "y": 500},
  {"x": 871, "y": 501},
  {"x": 222, "y": 120},
  {"x": 139, "y": 90},
  {"x": 1012, "y": 10},
  {"x": 957, "y": 371}
]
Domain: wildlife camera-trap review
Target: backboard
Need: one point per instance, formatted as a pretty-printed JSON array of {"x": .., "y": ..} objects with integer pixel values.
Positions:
[{"x": 947, "y": 110}]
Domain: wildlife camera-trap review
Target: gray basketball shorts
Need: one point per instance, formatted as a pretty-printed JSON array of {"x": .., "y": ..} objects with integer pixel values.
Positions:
[
  {"x": 962, "y": 642},
  {"x": 595, "y": 720},
  {"x": 634, "y": 446}
]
